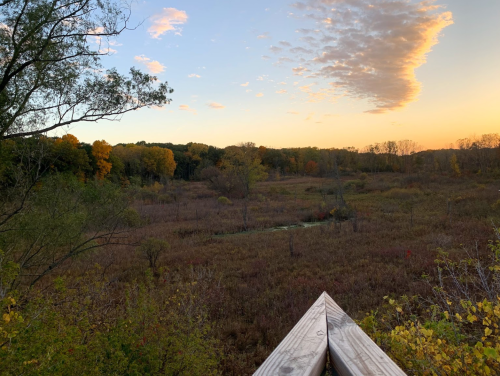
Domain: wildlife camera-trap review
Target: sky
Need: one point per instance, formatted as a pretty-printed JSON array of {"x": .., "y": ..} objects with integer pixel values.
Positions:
[{"x": 325, "y": 73}]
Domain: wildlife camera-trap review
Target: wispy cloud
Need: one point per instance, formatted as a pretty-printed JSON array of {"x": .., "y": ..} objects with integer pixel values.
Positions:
[
  {"x": 153, "y": 66},
  {"x": 293, "y": 112},
  {"x": 275, "y": 49},
  {"x": 309, "y": 116},
  {"x": 259, "y": 95},
  {"x": 216, "y": 106},
  {"x": 299, "y": 71},
  {"x": 282, "y": 91},
  {"x": 283, "y": 60},
  {"x": 194, "y": 75},
  {"x": 284, "y": 43},
  {"x": 168, "y": 19},
  {"x": 371, "y": 48},
  {"x": 245, "y": 84},
  {"x": 264, "y": 36},
  {"x": 320, "y": 94},
  {"x": 265, "y": 57},
  {"x": 185, "y": 107}
]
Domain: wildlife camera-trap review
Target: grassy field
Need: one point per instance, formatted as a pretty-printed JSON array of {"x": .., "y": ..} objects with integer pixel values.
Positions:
[{"x": 255, "y": 286}]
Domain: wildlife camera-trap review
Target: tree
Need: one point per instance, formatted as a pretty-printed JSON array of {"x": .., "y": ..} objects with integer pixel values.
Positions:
[
  {"x": 454, "y": 165},
  {"x": 158, "y": 162},
  {"x": 50, "y": 70},
  {"x": 311, "y": 168},
  {"x": 100, "y": 151},
  {"x": 66, "y": 155},
  {"x": 243, "y": 163}
]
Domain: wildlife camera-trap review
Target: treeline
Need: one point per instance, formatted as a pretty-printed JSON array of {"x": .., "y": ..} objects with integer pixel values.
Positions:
[{"x": 145, "y": 163}]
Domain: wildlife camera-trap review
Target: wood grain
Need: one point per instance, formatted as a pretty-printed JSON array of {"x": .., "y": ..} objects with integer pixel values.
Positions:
[
  {"x": 352, "y": 352},
  {"x": 303, "y": 351}
]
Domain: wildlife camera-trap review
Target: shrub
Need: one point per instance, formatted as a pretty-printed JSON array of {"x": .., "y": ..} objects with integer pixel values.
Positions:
[
  {"x": 403, "y": 194},
  {"x": 496, "y": 205},
  {"x": 458, "y": 333},
  {"x": 152, "y": 248},
  {"x": 131, "y": 217},
  {"x": 71, "y": 332},
  {"x": 356, "y": 184},
  {"x": 224, "y": 201}
]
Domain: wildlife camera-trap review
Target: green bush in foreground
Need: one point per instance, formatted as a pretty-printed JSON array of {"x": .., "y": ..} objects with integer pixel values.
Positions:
[
  {"x": 458, "y": 334},
  {"x": 157, "y": 333}
]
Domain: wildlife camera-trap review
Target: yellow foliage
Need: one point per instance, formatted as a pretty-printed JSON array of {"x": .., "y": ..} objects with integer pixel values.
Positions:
[
  {"x": 100, "y": 151},
  {"x": 448, "y": 345},
  {"x": 70, "y": 139}
]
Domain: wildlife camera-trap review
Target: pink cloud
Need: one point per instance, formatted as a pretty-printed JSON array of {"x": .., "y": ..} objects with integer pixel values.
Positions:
[
  {"x": 168, "y": 19},
  {"x": 153, "y": 66},
  {"x": 216, "y": 106}
]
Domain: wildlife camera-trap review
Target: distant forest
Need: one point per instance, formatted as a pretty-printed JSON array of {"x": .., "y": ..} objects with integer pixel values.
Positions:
[{"x": 146, "y": 163}]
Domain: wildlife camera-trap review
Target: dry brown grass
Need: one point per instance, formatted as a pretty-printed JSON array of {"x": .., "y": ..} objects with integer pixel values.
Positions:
[{"x": 255, "y": 291}]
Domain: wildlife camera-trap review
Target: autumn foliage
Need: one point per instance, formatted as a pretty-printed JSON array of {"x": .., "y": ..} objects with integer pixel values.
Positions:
[
  {"x": 311, "y": 168},
  {"x": 100, "y": 151}
]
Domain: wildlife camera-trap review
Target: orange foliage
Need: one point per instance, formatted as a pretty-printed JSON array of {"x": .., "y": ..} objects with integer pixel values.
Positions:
[
  {"x": 262, "y": 150},
  {"x": 100, "y": 151},
  {"x": 311, "y": 168},
  {"x": 70, "y": 139}
]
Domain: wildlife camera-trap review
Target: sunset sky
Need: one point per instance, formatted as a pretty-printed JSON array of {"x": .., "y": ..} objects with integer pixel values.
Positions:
[{"x": 326, "y": 73}]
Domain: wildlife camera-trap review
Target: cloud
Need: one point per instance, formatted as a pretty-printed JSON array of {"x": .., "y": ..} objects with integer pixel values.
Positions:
[
  {"x": 216, "y": 106},
  {"x": 264, "y": 57},
  {"x": 293, "y": 112},
  {"x": 301, "y": 50},
  {"x": 299, "y": 71},
  {"x": 282, "y": 83},
  {"x": 264, "y": 36},
  {"x": 259, "y": 95},
  {"x": 168, "y": 19},
  {"x": 282, "y": 91},
  {"x": 309, "y": 116},
  {"x": 95, "y": 37},
  {"x": 370, "y": 49},
  {"x": 245, "y": 84},
  {"x": 153, "y": 66},
  {"x": 284, "y": 43},
  {"x": 185, "y": 107},
  {"x": 275, "y": 49},
  {"x": 193, "y": 75},
  {"x": 321, "y": 94},
  {"x": 284, "y": 59}
]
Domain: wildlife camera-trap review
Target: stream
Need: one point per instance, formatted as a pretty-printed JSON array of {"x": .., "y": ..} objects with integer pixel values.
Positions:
[{"x": 277, "y": 228}]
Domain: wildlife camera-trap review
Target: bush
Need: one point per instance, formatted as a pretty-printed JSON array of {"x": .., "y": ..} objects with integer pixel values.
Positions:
[
  {"x": 458, "y": 333},
  {"x": 224, "y": 201},
  {"x": 131, "y": 217},
  {"x": 152, "y": 248},
  {"x": 403, "y": 194},
  {"x": 78, "y": 331},
  {"x": 356, "y": 184}
]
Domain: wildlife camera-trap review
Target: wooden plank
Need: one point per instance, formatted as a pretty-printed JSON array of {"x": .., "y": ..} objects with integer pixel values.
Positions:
[
  {"x": 303, "y": 351},
  {"x": 352, "y": 352}
]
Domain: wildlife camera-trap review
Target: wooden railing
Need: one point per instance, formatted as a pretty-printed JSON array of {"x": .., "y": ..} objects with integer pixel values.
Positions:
[{"x": 327, "y": 328}]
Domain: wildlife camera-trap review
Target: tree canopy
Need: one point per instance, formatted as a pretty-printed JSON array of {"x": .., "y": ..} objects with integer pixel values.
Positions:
[{"x": 50, "y": 66}]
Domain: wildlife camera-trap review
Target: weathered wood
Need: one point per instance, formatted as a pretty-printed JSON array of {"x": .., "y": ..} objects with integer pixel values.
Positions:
[
  {"x": 303, "y": 351},
  {"x": 352, "y": 352}
]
